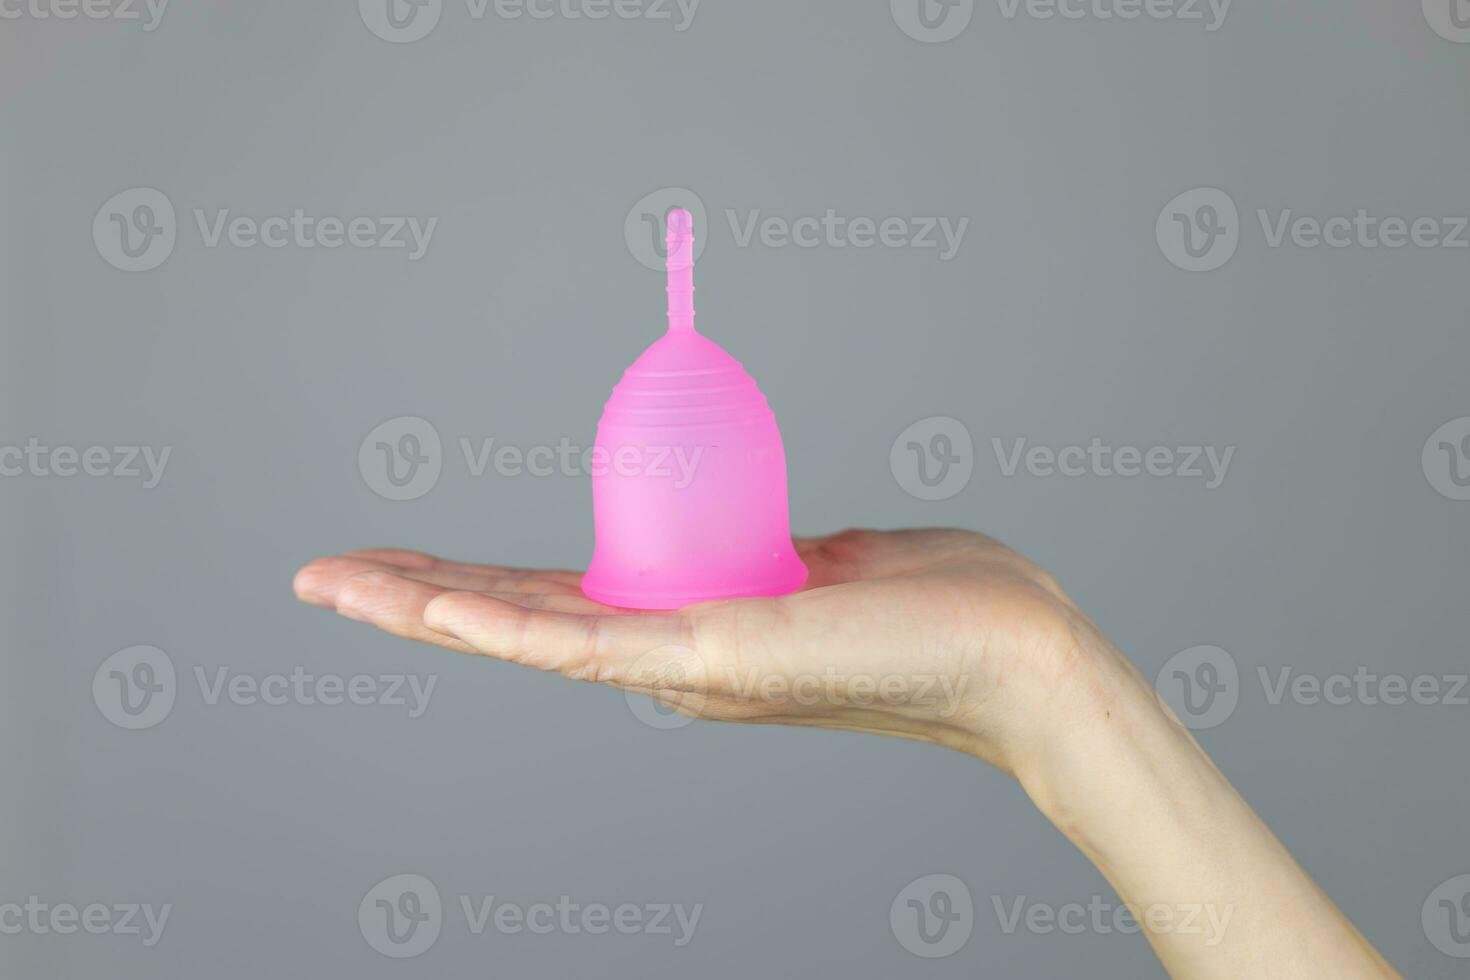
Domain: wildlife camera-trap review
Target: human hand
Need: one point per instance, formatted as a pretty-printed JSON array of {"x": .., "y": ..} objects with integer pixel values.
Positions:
[
  {"x": 939, "y": 635},
  {"x": 945, "y": 636}
]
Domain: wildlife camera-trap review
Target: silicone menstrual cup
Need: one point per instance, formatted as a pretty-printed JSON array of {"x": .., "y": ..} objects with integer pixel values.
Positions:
[{"x": 688, "y": 474}]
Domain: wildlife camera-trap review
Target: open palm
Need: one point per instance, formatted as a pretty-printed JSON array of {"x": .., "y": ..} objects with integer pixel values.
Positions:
[{"x": 939, "y": 635}]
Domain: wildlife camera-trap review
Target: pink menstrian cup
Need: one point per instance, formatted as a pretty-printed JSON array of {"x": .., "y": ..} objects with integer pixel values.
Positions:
[{"x": 688, "y": 474}]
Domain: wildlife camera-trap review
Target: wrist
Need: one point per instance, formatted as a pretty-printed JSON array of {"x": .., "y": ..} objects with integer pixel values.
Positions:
[
  {"x": 1114, "y": 770},
  {"x": 1100, "y": 740}
]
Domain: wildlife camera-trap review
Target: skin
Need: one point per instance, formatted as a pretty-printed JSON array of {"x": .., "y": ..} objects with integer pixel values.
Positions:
[{"x": 942, "y": 636}]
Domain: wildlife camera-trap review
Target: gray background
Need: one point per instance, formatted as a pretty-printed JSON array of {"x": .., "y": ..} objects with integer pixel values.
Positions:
[{"x": 1326, "y": 548}]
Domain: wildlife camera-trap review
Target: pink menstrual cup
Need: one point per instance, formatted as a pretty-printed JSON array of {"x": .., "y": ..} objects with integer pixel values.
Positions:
[{"x": 688, "y": 474}]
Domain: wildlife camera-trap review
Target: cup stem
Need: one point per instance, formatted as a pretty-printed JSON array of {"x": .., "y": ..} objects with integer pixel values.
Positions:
[{"x": 680, "y": 268}]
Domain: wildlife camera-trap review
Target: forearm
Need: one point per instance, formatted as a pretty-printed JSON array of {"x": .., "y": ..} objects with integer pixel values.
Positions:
[{"x": 1213, "y": 889}]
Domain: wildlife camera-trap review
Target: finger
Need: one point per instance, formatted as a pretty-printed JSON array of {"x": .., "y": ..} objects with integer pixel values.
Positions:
[
  {"x": 825, "y": 566},
  {"x": 319, "y": 581},
  {"x": 398, "y": 604},
  {"x": 397, "y": 557},
  {"x": 565, "y": 602},
  {"x": 395, "y": 604},
  {"x": 600, "y": 647},
  {"x": 419, "y": 561},
  {"x": 481, "y": 580},
  {"x": 806, "y": 545},
  {"x": 569, "y": 602}
]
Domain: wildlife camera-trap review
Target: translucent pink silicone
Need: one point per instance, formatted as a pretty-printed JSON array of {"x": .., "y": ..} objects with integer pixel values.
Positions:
[{"x": 689, "y": 474}]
